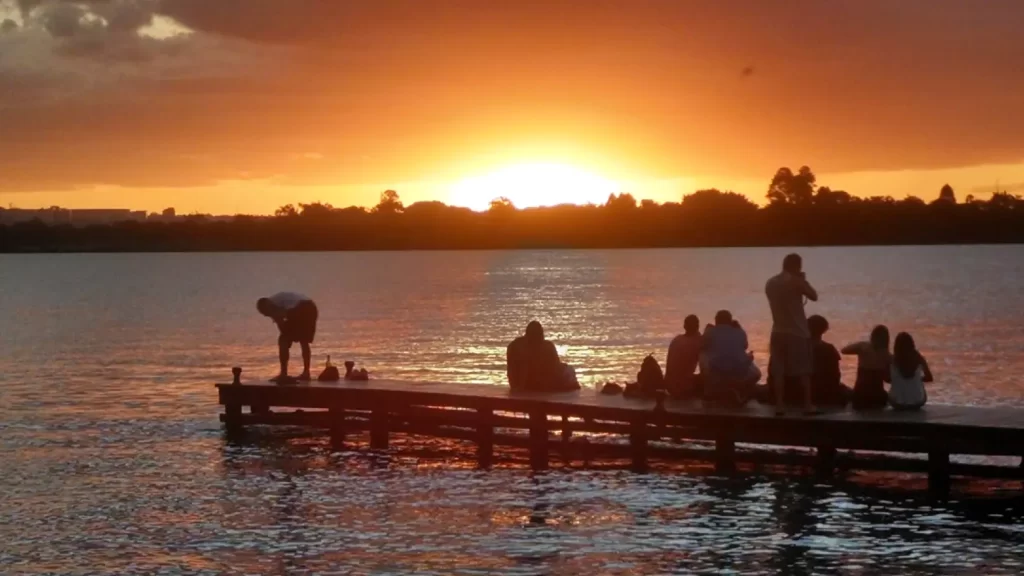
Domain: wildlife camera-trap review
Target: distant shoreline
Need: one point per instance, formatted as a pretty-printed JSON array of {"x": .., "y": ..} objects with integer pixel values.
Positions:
[
  {"x": 509, "y": 249},
  {"x": 704, "y": 219}
]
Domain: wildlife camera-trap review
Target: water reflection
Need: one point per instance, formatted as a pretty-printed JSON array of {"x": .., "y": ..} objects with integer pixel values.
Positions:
[
  {"x": 408, "y": 515},
  {"x": 112, "y": 459}
]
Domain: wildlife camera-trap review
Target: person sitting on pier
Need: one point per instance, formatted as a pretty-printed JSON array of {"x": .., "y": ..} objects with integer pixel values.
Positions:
[
  {"x": 731, "y": 376},
  {"x": 295, "y": 316},
  {"x": 681, "y": 379},
  {"x": 533, "y": 364},
  {"x": 827, "y": 388},
  {"x": 873, "y": 369},
  {"x": 908, "y": 373}
]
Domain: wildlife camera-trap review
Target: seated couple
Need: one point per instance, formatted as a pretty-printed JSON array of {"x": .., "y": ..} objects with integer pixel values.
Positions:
[
  {"x": 727, "y": 371},
  {"x": 533, "y": 364},
  {"x": 905, "y": 368}
]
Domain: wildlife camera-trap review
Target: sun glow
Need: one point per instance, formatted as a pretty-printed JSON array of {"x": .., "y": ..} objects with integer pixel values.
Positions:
[{"x": 533, "y": 184}]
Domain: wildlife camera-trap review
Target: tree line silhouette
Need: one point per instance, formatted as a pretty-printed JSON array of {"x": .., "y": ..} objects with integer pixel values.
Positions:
[{"x": 798, "y": 213}]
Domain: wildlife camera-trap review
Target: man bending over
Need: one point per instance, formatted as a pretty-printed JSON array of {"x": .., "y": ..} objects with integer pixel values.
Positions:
[{"x": 295, "y": 316}]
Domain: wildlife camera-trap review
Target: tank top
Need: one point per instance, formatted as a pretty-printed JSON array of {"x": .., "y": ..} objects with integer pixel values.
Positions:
[{"x": 907, "y": 391}]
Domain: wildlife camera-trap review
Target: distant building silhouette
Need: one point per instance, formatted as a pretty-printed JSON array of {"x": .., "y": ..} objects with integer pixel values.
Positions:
[
  {"x": 56, "y": 216},
  {"x": 94, "y": 216}
]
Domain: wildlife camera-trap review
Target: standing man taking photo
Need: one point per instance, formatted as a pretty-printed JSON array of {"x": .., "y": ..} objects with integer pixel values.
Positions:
[
  {"x": 790, "y": 346},
  {"x": 295, "y": 316}
]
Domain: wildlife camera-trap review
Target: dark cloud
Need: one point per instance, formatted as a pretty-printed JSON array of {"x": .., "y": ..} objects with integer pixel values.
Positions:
[
  {"x": 127, "y": 17},
  {"x": 103, "y": 29},
  {"x": 8, "y": 25},
  {"x": 26, "y": 6},
  {"x": 64, "y": 20},
  {"x": 266, "y": 20}
]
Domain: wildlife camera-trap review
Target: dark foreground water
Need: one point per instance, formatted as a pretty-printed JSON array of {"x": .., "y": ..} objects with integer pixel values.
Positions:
[{"x": 112, "y": 460}]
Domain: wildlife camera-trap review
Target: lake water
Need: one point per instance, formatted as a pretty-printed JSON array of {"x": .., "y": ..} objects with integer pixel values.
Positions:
[{"x": 112, "y": 459}]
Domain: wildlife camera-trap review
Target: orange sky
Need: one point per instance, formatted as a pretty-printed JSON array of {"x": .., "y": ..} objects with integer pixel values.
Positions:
[{"x": 238, "y": 106}]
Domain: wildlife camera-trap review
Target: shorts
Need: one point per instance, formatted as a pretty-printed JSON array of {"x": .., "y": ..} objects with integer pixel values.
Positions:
[
  {"x": 299, "y": 324},
  {"x": 790, "y": 356}
]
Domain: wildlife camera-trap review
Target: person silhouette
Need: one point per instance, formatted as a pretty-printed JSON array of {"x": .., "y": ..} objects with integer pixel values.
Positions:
[
  {"x": 532, "y": 363},
  {"x": 790, "y": 346},
  {"x": 295, "y": 316}
]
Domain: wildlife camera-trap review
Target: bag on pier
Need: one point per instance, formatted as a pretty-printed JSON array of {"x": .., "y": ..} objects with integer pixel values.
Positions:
[
  {"x": 330, "y": 373},
  {"x": 611, "y": 389}
]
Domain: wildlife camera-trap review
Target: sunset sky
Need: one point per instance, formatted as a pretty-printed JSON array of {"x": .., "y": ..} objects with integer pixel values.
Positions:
[{"x": 229, "y": 106}]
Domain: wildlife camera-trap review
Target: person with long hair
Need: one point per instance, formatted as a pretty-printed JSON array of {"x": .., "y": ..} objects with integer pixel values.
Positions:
[
  {"x": 532, "y": 364},
  {"x": 908, "y": 373},
  {"x": 873, "y": 361}
]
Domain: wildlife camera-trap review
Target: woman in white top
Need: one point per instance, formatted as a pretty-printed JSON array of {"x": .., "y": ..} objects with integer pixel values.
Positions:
[{"x": 909, "y": 372}]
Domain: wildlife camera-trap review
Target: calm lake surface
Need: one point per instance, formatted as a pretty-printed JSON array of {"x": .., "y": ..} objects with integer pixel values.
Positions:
[{"x": 112, "y": 460}]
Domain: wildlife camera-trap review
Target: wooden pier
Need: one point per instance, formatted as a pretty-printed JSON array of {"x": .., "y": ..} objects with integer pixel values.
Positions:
[{"x": 547, "y": 424}]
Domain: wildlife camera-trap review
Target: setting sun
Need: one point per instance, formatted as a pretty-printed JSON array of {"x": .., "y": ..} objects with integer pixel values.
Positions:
[{"x": 533, "y": 184}]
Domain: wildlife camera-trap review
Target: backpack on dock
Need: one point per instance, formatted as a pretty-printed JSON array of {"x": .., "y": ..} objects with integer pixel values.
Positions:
[{"x": 330, "y": 373}]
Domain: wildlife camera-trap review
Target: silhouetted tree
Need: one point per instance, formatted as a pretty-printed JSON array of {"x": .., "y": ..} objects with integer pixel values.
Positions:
[
  {"x": 713, "y": 201},
  {"x": 620, "y": 202},
  {"x": 286, "y": 211},
  {"x": 426, "y": 208},
  {"x": 316, "y": 210},
  {"x": 389, "y": 203},
  {"x": 704, "y": 218},
  {"x": 946, "y": 194},
  {"x": 1006, "y": 201},
  {"x": 501, "y": 205},
  {"x": 826, "y": 196},
  {"x": 789, "y": 188},
  {"x": 884, "y": 200}
]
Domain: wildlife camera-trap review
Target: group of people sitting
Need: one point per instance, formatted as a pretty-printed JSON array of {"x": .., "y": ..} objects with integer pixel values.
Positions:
[
  {"x": 727, "y": 372},
  {"x": 716, "y": 365},
  {"x": 706, "y": 366}
]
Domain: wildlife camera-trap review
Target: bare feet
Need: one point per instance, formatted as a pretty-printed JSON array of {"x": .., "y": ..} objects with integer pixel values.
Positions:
[
  {"x": 304, "y": 377},
  {"x": 283, "y": 379}
]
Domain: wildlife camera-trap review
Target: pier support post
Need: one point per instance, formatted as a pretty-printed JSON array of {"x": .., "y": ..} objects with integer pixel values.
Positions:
[
  {"x": 938, "y": 471},
  {"x": 826, "y": 460},
  {"x": 725, "y": 453},
  {"x": 336, "y": 414},
  {"x": 538, "y": 440},
  {"x": 638, "y": 444},
  {"x": 485, "y": 437},
  {"x": 379, "y": 428},
  {"x": 566, "y": 446},
  {"x": 233, "y": 410},
  {"x": 233, "y": 419}
]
